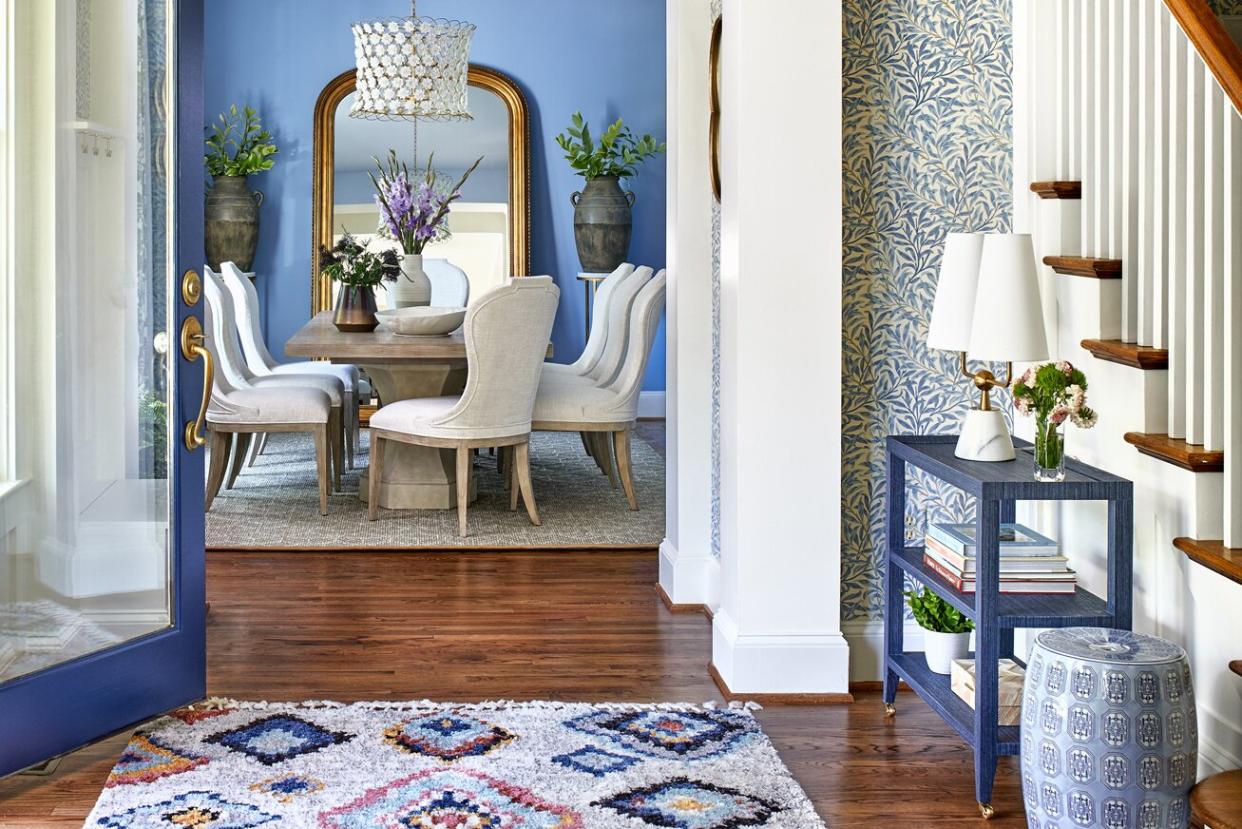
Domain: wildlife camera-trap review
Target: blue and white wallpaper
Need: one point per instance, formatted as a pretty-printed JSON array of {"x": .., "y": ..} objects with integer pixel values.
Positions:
[{"x": 928, "y": 149}]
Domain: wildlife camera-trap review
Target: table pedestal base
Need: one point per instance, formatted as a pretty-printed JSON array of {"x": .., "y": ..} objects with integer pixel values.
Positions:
[{"x": 416, "y": 477}]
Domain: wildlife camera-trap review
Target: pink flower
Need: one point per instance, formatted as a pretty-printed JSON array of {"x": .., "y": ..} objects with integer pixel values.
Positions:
[
  {"x": 1065, "y": 367},
  {"x": 1059, "y": 415},
  {"x": 1022, "y": 404},
  {"x": 1027, "y": 377},
  {"x": 1077, "y": 397}
]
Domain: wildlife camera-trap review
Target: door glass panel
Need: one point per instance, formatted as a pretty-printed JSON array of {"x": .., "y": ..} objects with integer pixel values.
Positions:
[{"x": 85, "y": 388}]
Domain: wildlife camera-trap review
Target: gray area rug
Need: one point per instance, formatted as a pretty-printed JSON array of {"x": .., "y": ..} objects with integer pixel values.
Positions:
[{"x": 275, "y": 505}]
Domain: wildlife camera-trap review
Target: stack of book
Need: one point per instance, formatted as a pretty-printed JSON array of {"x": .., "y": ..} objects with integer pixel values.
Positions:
[{"x": 1029, "y": 562}]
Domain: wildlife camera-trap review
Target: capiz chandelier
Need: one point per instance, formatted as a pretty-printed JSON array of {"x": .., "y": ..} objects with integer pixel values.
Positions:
[{"x": 411, "y": 68}]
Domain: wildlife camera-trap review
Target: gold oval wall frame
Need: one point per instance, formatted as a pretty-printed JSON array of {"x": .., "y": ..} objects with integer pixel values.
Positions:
[
  {"x": 323, "y": 164},
  {"x": 714, "y": 124}
]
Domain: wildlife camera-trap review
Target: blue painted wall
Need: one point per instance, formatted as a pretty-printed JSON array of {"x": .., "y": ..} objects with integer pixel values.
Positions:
[{"x": 603, "y": 57}]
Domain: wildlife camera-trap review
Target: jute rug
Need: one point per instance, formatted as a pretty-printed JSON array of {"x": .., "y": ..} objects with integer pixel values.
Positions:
[
  {"x": 501, "y": 765},
  {"x": 275, "y": 504}
]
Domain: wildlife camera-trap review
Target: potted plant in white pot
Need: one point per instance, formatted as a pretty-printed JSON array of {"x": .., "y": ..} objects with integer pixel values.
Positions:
[
  {"x": 237, "y": 148},
  {"x": 946, "y": 631},
  {"x": 414, "y": 214},
  {"x": 603, "y": 221}
]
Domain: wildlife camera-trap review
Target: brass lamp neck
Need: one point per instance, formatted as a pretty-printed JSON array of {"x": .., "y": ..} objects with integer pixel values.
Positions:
[{"x": 985, "y": 381}]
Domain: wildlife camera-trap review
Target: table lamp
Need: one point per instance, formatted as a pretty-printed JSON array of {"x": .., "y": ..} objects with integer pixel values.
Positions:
[{"x": 988, "y": 308}]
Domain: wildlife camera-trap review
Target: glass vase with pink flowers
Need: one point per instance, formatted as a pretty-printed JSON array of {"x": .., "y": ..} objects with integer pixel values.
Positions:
[{"x": 1056, "y": 394}]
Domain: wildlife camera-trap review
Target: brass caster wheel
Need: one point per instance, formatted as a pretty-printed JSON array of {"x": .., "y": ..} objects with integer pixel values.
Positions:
[
  {"x": 889, "y": 709},
  {"x": 986, "y": 810}
]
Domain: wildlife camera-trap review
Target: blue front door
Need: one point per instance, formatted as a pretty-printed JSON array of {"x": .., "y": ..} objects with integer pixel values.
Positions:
[{"x": 101, "y": 517}]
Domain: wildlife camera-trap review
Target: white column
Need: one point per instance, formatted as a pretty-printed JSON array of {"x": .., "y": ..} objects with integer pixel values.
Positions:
[
  {"x": 688, "y": 569},
  {"x": 778, "y": 627}
]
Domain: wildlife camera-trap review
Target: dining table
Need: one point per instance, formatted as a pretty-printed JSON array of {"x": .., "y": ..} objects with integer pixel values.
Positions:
[{"x": 400, "y": 367}]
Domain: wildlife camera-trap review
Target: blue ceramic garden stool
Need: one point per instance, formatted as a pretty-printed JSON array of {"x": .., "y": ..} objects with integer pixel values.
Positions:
[{"x": 1108, "y": 731}]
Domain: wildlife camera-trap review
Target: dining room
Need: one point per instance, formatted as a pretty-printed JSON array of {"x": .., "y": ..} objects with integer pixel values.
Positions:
[{"x": 461, "y": 287}]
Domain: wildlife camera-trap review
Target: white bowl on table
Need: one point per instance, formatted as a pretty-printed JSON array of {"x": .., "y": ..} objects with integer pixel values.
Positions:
[{"x": 422, "y": 321}]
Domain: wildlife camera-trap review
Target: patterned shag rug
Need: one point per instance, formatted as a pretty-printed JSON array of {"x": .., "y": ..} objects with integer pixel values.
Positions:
[
  {"x": 275, "y": 504},
  {"x": 502, "y": 765}
]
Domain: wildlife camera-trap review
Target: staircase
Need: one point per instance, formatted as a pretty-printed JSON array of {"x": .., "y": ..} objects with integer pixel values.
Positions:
[{"x": 1128, "y": 172}]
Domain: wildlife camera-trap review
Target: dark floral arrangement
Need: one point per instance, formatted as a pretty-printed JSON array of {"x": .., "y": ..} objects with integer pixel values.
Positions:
[{"x": 349, "y": 263}]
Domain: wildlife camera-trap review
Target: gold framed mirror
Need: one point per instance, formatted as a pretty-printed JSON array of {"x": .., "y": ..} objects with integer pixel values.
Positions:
[{"x": 339, "y": 195}]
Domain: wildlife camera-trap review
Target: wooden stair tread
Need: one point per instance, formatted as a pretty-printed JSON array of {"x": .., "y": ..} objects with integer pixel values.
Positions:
[
  {"x": 1128, "y": 354},
  {"x": 1217, "y": 801},
  {"x": 1213, "y": 555},
  {"x": 1085, "y": 266},
  {"x": 1177, "y": 452},
  {"x": 1057, "y": 189}
]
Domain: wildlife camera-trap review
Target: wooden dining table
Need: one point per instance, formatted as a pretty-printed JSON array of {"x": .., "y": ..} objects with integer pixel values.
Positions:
[{"x": 400, "y": 368}]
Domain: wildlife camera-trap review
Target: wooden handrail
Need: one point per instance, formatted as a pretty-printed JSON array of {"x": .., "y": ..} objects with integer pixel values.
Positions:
[{"x": 1214, "y": 44}]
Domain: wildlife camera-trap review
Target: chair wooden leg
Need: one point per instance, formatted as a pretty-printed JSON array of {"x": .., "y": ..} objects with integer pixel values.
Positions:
[
  {"x": 621, "y": 445},
  {"x": 349, "y": 427},
  {"x": 256, "y": 448},
  {"x": 219, "y": 461},
  {"x": 323, "y": 446},
  {"x": 522, "y": 462},
  {"x": 241, "y": 447},
  {"x": 504, "y": 461},
  {"x": 603, "y": 453},
  {"x": 586, "y": 443},
  {"x": 375, "y": 474},
  {"x": 514, "y": 485},
  {"x": 336, "y": 434},
  {"x": 464, "y": 464}
]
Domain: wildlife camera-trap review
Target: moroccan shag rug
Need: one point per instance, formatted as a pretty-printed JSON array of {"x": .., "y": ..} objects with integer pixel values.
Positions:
[
  {"x": 275, "y": 504},
  {"x": 500, "y": 765}
]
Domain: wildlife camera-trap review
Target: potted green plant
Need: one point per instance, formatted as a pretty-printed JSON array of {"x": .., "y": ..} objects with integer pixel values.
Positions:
[
  {"x": 237, "y": 148},
  {"x": 359, "y": 271},
  {"x": 946, "y": 630},
  {"x": 603, "y": 212}
]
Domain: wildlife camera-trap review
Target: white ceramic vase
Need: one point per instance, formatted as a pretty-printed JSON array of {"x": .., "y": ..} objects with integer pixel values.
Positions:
[
  {"x": 412, "y": 288},
  {"x": 940, "y": 649}
]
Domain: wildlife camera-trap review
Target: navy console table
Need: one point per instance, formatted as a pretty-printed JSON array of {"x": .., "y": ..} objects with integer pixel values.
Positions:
[{"x": 996, "y": 488}]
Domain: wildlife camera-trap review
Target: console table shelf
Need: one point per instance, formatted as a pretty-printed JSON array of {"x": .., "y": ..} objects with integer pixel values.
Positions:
[{"x": 996, "y": 488}]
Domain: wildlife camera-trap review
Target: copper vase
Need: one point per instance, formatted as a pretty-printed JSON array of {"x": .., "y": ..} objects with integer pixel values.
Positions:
[{"x": 355, "y": 309}]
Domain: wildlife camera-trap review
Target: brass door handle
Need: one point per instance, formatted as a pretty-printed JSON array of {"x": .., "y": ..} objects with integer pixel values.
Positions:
[{"x": 192, "y": 347}]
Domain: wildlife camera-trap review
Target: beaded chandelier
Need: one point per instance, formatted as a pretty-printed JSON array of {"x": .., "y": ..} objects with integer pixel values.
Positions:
[{"x": 411, "y": 68}]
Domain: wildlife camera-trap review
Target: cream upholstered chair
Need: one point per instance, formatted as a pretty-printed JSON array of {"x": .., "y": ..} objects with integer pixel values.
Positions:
[
  {"x": 233, "y": 411},
  {"x": 594, "y": 347},
  {"x": 507, "y": 332},
  {"x": 577, "y": 405},
  {"x": 450, "y": 287},
  {"x": 232, "y": 366},
  {"x": 261, "y": 362}
]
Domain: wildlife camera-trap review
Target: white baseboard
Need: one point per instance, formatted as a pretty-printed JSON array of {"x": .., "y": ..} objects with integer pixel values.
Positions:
[
  {"x": 866, "y": 641},
  {"x": 793, "y": 663},
  {"x": 688, "y": 578},
  {"x": 651, "y": 403}
]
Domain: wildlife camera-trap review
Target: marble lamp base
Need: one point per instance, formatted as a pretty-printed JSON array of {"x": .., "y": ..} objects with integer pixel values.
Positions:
[{"x": 985, "y": 437}]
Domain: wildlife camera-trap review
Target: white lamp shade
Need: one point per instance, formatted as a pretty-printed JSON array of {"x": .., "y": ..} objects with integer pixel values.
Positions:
[
  {"x": 954, "y": 308},
  {"x": 1008, "y": 319}
]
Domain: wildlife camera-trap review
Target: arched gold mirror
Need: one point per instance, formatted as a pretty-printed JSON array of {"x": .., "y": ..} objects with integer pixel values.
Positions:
[{"x": 491, "y": 223}]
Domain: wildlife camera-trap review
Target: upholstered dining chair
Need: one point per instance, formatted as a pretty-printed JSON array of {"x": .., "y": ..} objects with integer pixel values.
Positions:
[
  {"x": 450, "y": 287},
  {"x": 233, "y": 412},
  {"x": 599, "y": 330},
  {"x": 232, "y": 366},
  {"x": 577, "y": 405},
  {"x": 261, "y": 362},
  {"x": 507, "y": 332}
]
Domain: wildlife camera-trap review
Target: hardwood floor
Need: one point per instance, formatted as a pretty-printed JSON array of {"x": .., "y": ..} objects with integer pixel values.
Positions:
[{"x": 571, "y": 626}]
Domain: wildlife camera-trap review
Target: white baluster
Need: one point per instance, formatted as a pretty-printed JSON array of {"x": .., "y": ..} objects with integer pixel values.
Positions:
[
  {"x": 1213, "y": 277},
  {"x": 1175, "y": 221},
  {"x": 1231, "y": 266},
  {"x": 1067, "y": 106},
  {"x": 1103, "y": 151},
  {"x": 1155, "y": 173},
  {"x": 1128, "y": 88},
  {"x": 1087, "y": 98},
  {"x": 1195, "y": 196}
]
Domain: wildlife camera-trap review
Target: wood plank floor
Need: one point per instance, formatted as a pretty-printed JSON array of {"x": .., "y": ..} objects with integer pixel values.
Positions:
[{"x": 569, "y": 626}]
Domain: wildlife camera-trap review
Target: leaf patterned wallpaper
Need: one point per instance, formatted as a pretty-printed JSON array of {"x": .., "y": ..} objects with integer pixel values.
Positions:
[{"x": 928, "y": 149}]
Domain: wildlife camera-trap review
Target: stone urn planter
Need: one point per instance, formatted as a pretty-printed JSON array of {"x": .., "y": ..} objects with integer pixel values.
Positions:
[
  {"x": 603, "y": 224},
  {"x": 232, "y": 214}
]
